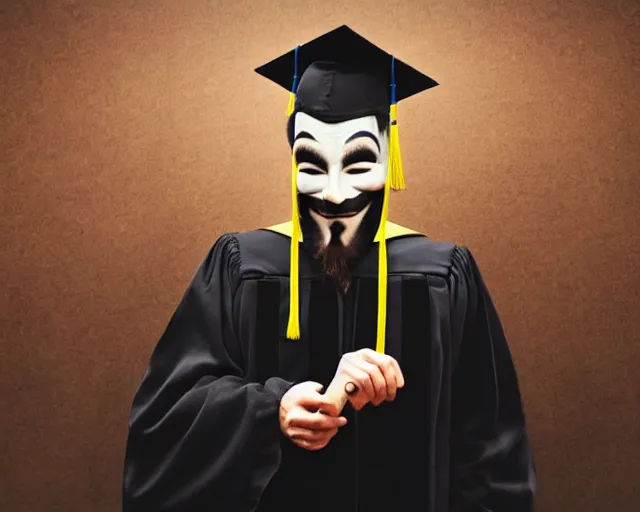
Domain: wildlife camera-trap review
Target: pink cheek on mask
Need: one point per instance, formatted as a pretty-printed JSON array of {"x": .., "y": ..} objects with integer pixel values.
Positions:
[{"x": 370, "y": 187}]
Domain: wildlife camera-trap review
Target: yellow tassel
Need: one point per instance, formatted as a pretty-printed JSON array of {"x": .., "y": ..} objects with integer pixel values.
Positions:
[
  {"x": 381, "y": 238},
  {"x": 292, "y": 103},
  {"x": 396, "y": 173},
  {"x": 382, "y": 297},
  {"x": 293, "y": 327}
]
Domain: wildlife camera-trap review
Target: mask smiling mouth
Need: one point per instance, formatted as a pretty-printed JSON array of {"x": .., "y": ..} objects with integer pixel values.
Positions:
[
  {"x": 346, "y": 209},
  {"x": 336, "y": 215}
]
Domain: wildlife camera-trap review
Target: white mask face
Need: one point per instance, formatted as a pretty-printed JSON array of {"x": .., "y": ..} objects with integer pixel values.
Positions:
[{"x": 338, "y": 165}]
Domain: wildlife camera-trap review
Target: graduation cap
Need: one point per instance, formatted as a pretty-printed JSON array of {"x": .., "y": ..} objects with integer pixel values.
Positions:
[
  {"x": 341, "y": 74},
  {"x": 336, "y": 77}
]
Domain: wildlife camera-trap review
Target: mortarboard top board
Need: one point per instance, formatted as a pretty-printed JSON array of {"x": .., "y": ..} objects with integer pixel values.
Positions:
[{"x": 341, "y": 75}]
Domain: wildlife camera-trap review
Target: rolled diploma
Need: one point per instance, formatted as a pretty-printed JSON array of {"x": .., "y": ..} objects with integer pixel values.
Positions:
[{"x": 339, "y": 392}]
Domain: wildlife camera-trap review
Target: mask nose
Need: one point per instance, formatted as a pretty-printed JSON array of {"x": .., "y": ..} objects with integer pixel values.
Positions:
[{"x": 332, "y": 192}]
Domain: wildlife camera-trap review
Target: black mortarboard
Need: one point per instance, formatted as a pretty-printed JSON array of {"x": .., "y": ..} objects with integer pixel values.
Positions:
[{"x": 343, "y": 76}]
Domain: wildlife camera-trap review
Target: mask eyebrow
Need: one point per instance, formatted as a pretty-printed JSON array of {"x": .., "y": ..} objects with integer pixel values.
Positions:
[
  {"x": 359, "y": 154},
  {"x": 307, "y": 155},
  {"x": 363, "y": 133},
  {"x": 304, "y": 135}
]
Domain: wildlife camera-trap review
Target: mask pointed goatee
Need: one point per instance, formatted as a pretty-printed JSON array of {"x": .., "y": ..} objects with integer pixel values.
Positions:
[{"x": 335, "y": 257}]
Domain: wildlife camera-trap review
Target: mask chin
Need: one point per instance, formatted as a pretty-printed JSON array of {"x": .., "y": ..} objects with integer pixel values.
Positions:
[{"x": 337, "y": 243}]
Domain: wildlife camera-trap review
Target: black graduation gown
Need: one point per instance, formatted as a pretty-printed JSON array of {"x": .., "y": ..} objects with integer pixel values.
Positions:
[{"x": 204, "y": 432}]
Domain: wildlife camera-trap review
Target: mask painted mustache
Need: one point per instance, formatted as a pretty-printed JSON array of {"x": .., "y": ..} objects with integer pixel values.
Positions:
[{"x": 347, "y": 208}]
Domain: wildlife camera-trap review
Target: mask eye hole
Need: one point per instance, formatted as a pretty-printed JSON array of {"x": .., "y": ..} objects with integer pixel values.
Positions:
[
  {"x": 358, "y": 170},
  {"x": 311, "y": 170}
]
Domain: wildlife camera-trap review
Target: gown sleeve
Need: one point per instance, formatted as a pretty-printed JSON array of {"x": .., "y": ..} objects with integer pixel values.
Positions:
[
  {"x": 201, "y": 436},
  {"x": 492, "y": 468}
]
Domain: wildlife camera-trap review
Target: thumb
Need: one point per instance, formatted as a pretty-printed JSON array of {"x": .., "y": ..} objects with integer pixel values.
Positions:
[{"x": 316, "y": 386}]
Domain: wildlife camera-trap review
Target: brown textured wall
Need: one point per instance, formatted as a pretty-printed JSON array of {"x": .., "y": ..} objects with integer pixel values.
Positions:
[{"x": 134, "y": 132}]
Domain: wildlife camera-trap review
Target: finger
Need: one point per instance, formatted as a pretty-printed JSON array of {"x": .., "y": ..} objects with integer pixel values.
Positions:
[
  {"x": 362, "y": 380},
  {"x": 315, "y": 386},
  {"x": 310, "y": 440},
  {"x": 309, "y": 388},
  {"x": 390, "y": 369},
  {"x": 311, "y": 436},
  {"x": 302, "y": 434},
  {"x": 377, "y": 378},
  {"x": 315, "y": 421},
  {"x": 390, "y": 376},
  {"x": 398, "y": 372},
  {"x": 324, "y": 422},
  {"x": 358, "y": 402},
  {"x": 311, "y": 446},
  {"x": 316, "y": 402}
]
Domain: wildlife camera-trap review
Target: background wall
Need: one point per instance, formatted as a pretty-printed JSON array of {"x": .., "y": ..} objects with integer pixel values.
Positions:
[{"x": 134, "y": 133}]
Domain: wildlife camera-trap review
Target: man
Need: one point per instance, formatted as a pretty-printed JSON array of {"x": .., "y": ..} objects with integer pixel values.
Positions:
[{"x": 241, "y": 408}]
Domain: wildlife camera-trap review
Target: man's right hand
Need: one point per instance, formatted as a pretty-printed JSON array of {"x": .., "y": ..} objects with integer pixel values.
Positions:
[
  {"x": 308, "y": 417},
  {"x": 377, "y": 377}
]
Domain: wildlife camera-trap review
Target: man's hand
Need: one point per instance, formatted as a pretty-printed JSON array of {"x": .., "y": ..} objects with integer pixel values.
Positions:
[
  {"x": 377, "y": 377},
  {"x": 309, "y": 418}
]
